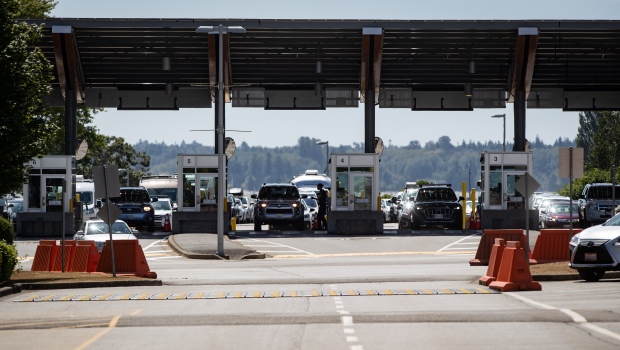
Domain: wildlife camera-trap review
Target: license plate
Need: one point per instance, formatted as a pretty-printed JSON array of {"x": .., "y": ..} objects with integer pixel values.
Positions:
[
  {"x": 590, "y": 257},
  {"x": 438, "y": 216},
  {"x": 129, "y": 216}
]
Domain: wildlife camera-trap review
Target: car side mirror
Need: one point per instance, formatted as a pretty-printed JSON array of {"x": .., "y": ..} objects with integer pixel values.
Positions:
[
  {"x": 461, "y": 198},
  {"x": 98, "y": 203},
  {"x": 304, "y": 196},
  {"x": 154, "y": 199},
  {"x": 312, "y": 209},
  {"x": 134, "y": 231},
  {"x": 254, "y": 196}
]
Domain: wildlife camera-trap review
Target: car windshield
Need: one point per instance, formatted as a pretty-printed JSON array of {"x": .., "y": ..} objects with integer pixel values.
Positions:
[
  {"x": 18, "y": 207},
  {"x": 311, "y": 183},
  {"x": 310, "y": 202},
  {"x": 615, "y": 221},
  {"x": 275, "y": 192},
  {"x": 132, "y": 196},
  {"x": 602, "y": 192},
  {"x": 436, "y": 194},
  {"x": 86, "y": 197},
  {"x": 559, "y": 208},
  {"x": 162, "y": 205},
  {"x": 170, "y": 192},
  {"x": 97, "y": 228}
]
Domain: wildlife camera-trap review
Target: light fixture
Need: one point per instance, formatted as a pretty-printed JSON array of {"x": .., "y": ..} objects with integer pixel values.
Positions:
[
  {"x": 472, "y": 67},
  {"x": 169, "y": 89},
  {"x": 165, "y": 63},
  {"x": 469, "y": 89}
]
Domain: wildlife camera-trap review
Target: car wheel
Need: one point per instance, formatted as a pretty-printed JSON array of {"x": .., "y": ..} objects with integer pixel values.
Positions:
[
  {"x": 404, "y": 224},
  {"x": 151, "y": 227},
  {"x": 591, "y": 275},
  {"x": 257, "y": 226}
]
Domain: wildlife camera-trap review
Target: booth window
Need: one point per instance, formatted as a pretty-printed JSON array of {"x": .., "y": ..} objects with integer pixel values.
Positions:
[
  {"x": 342, "y": 188},
  {"x": 34, "y": 192},
  {"x": 495, "y": 188},
  {"x": 189, "y": 190}
]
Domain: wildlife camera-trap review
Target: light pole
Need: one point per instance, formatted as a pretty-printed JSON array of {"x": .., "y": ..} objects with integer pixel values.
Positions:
[
  {"x": 502, "y": 116},
  {"x": 221, "y": 187},
  {"x": 326, "y": 143}
]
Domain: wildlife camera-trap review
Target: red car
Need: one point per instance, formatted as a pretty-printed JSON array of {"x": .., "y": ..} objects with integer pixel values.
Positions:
[{"x": 557, "y": 214}]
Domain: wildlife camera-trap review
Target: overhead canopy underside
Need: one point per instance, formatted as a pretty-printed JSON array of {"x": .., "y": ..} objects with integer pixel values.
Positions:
[{"x": 317, "y": 64}]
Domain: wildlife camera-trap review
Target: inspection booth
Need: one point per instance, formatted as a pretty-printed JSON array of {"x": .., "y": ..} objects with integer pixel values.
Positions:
[
  {"x": 197, "y": 194},
  {"x": 47, "y": 193},
  {"x": 354, "y": 194},
  {"x": 503, "y": 205}
]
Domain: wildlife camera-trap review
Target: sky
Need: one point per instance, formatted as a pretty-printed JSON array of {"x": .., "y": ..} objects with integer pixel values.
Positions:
[{"x": 338, "y": 126}]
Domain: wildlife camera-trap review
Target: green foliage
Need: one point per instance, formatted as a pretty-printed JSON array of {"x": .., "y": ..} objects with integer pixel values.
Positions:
[
  {"x": 605, "y": 150},
  {"x": 6, "y": 231},
  {"x": 35, "y": 8},
  {"x": 440, "y": 162},
  {"x": 8, "y": 261},
  {"x": 26, "y": 76}
]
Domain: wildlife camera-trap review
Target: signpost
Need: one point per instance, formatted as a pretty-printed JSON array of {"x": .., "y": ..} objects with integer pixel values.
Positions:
[
  {"x": 526, "y": 186},
  {"x": 107, "y": 185},
  {"x": 571, "y": 165}
]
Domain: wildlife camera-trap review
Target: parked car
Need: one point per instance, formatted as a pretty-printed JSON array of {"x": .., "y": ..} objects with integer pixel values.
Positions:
[
  {"x": 546, "y": 201},
  {"x": 98, "y": 231},
  {"x": 596, "y": 250},
  {"x": 557, "y": 214},
  {"x": 278, "y": 204},
  {"x": 162, "y": 207},
  {"x": 238, "y": 210},
  {"x": 309, "y": 215},
  {"x": 136, "y": 206}
]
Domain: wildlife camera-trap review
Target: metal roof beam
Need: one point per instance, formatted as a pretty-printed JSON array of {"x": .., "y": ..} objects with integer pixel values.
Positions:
[
  {"x": 68, "y": 66},
  {"x": 372, "y": 52}
]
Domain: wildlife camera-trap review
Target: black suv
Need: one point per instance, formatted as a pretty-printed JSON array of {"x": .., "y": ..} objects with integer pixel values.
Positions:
[
  {"x": 135, "y": 203},
  {"x": 278, "y": 204},
  {"x": 435, "y": 205},
  {"x": 596, "y": 203}
]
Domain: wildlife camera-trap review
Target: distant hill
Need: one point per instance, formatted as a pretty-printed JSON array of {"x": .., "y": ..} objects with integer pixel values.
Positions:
[{"x": 439, "y": 162}]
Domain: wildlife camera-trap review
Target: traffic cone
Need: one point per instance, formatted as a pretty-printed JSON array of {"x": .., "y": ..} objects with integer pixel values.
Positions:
[
  {"x": 478, "y": 223},
  {"x": 167, "y": 226}
]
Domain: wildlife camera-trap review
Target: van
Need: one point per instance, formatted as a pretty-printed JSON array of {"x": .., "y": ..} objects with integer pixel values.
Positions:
[
  {"x": 86, "y": 189},
  {"x": 162, "y": 185}
]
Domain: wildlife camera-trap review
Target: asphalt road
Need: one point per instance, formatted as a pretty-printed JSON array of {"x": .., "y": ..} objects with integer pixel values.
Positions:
[{"x": 317, "y": 292}]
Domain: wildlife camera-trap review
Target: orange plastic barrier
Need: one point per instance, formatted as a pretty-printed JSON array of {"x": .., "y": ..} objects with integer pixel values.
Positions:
[
  {"x": 69, "y": 253},
  {"x": 494, "y": 262},
  {"x": 128, "y": 257},
  {"x": 86, "y": 257},
  {"x": 44, "y": 255},
  {"x": 487, "y": 240},
  {"x": 514, "y": 272},
  {"x": 552, "y": 246}
]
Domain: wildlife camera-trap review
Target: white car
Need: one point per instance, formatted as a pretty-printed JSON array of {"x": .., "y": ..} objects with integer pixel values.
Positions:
[
  {"x": 596, "y": 250},
  {"x": 98, "y": 231},
  {"x": 162, "y": 207}
]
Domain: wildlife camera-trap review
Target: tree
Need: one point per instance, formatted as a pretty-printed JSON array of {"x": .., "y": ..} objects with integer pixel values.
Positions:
[
  {"x": 114, "y": 150},
  {"x": 588, "y": 127},
  {"x": 605, "y": 148},
  {"x": 26, "y": 76}
]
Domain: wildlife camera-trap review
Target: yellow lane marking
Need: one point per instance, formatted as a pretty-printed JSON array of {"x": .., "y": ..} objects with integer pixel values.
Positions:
[
  {"x": 409, "y": 291},
  {"x": 31, "y": 298},
  {"x": 388, "y": 292},
  {"x": 68, "y": 296},
  {"x": 315, "y": 293},
  {"x": 137, "y": 311},
  {"x": 220, "y": 295},
  {"x": 101, "y": 334},
  {"x": 86, "y": 297},
  {"x": 276, "y": 294},
  {"x": 447, "y": 291},
  {"x": 293, "y": 294},
  {"x": 161, "y": 296},
  {"x": 105, "y": 296},
  {"x": 376, "y": 254},
  {"x": 428, "y": 291},
  {"x": 256, "y": 294},
  {"x": 370, "y": 292},
  {"x": 198, "y": 296},
  {"x": 483, "y": 291},
  {"x": 465, "y": 291},
  {"x": 181, "y": 296},
  {"x": 333, "y": 293},
  {"x": 351, "y": 292},
  {"x": 143, "y": 296},
  {"x": 238, "y": 294},
  {"x": 126, "y": 296},
  {"x": 48, "y": 298}
]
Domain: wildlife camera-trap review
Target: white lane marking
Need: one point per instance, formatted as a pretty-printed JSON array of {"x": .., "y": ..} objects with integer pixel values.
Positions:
[
  {"x": 274, "y": 245},
  {"x": 457, "y": 242},
  {"x": 577, "y": 318},
  {"x": 347, "y": 320},
  {"x": 349, "y": 331},
  {"x": 152, "y": 244},
  {"x": 351, "y": 339}
]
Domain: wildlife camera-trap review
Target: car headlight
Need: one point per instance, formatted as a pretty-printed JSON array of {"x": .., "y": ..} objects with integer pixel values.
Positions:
[
  {"x": 575, "y": 239},
  {"x": 146, "y": 208},
  {"x": 263, "y": 205},
  {"x": 295, "y": 205}
]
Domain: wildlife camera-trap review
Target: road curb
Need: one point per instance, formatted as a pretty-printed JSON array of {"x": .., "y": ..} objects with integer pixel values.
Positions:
[
  {"x": 191, "y": 255},
  {"x": 20, "y": 287}
]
